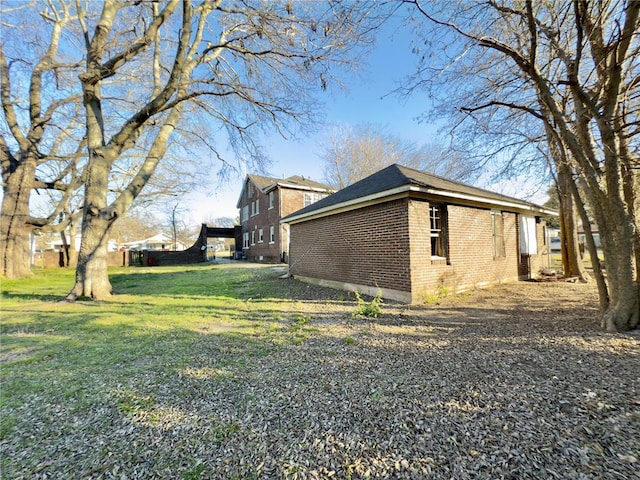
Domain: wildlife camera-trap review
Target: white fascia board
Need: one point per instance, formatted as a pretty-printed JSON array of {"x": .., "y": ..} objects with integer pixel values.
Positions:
[
  {"x": 490, "y": 201},
  {"x": 305, "y": 187},
  {"x": 375, "y": 197}
]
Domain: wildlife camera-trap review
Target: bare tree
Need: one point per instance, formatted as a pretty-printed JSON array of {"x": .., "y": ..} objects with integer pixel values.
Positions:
[
  {"x": 43, "y": 148},
  {"x": 573, "y": 67},
  {"x": 41, "y": 141},
  {"x": 149, "y": 68},
  {"x": 570, "y": 202},
  {"x": 136, "y": 224},
  {"x": 178, "y": 229},
  {"x": 221, "y": 222},
  {"x": 351, "y": 153}
]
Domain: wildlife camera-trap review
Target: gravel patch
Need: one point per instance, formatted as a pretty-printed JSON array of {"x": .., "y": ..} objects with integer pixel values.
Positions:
[{"x": 512, "y": 382}]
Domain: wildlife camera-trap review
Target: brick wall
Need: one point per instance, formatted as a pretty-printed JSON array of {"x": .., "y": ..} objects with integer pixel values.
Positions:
[
  {"x": 264, "y": 251},
  {"x": 292, "y": 201},
  {"x": 196, "y": 253},
  {"x": 368, "y": 246},
  {"x": 55, "y": 259},
  {"x": 286, "y": 201}
]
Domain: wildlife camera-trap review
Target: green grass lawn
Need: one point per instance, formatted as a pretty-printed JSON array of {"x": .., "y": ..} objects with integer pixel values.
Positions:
[{"x": 74, "y": 359}]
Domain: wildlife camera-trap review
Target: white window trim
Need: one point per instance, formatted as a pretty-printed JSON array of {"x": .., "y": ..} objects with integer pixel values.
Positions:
[{"x": 437, "y": 233}]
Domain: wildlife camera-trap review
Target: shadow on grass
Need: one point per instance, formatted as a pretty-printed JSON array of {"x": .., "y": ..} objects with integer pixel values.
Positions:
[
  {"x": 228, "y": 280},
  {"x": 44, "y": 297}
]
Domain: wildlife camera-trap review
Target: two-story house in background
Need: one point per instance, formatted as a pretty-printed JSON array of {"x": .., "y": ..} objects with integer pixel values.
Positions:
[{"x": 262, "y": 203}]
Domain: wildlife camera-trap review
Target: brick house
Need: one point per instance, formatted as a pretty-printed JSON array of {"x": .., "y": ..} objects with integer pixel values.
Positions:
[
  {"x": 262, "y": 203},
  {"x": 405, "y": 233}
]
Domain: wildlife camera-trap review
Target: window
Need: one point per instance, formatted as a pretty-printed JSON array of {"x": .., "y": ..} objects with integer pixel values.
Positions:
[
  {"x": 271, "y": 199},
  {"x": 253, "y": 237},
  {"x": 245, "y": 213},
  {"x": 245, "y": 240},
  {"x": 257, "y": 206},
  {"x": 260, "y": 236},
  {"x": 272, "y": 234},
  {"x": 253, "y": 208},
  {"x": 310, "y": 198},
  {"x": 437, "y": 225},
  {"x": 497, "y": 228}
]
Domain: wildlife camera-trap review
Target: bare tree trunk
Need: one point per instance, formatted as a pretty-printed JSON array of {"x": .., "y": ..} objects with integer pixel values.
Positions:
[
  {"x": 15, "y": 231},
  {"x": 571, "y": 258},
  {"x": 603, "y": 291},
  {"x": 623, "y": 312},
  {"x": 631, "y": 189},
  {"x": 65, "y": 245},
  {"x": 65, "y": 249},
  {"x": 565, "y": 184},
  {"x": 92, "y": 279}
]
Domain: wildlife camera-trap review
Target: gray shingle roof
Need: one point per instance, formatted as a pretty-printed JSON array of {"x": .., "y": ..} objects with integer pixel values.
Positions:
[
  {"x": 266, "y": 184},
  {"x": 296, "y": 181},
  {"x": 395, "y": 176},
  {"x": 262, "y": 182}
]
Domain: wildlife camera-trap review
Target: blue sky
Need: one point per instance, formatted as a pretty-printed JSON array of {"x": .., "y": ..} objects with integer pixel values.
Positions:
[{"x": 368, "y": 99}]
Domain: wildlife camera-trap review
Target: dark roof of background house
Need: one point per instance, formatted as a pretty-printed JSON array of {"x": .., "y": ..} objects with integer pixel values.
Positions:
[
  {"x": 262, "y": 182},
  {"x": 302, "y": 182},
  {"x": 266, "y": 184},
  {"x": 395, "y": 176}
]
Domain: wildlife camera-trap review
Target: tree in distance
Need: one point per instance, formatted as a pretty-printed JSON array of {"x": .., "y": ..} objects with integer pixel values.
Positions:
[{"x": 351, "y": 153}]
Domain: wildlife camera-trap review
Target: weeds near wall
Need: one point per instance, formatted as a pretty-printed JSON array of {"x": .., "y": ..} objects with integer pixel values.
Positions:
[
  {"x": 434, "y": 297},
  {"x": 368, "y": 309}
]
